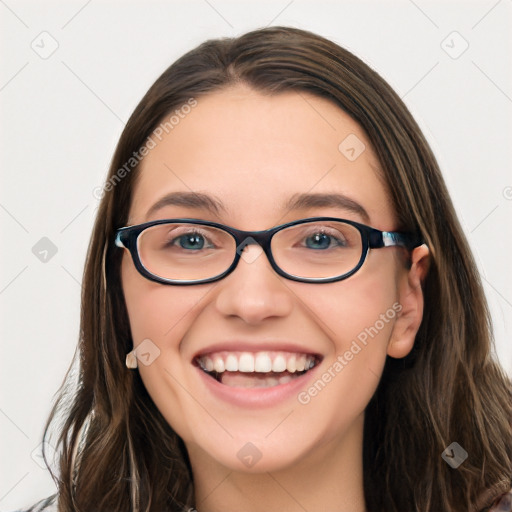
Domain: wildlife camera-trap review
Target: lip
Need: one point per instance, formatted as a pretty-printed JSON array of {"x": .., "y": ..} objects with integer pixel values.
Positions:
[{"x": 257, "y": 397}]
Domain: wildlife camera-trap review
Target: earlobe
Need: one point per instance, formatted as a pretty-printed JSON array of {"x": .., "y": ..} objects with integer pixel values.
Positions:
[{"x": 411, "y": 301}]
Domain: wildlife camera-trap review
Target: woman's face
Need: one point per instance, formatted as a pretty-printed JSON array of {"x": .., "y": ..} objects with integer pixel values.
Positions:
[{"x": 253, "y": 154}]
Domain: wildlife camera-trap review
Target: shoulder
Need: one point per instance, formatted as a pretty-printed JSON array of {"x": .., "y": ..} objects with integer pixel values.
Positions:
[
  {"x": 502, "y": 504},
  {"x": 47, "y": 505}
]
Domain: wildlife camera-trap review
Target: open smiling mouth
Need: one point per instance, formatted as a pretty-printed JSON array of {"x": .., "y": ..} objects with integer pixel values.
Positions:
[{"x": 256, "y": 369}]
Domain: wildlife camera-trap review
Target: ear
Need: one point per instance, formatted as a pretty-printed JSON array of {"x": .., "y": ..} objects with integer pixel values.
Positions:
[{"x": 411, "y": 300}]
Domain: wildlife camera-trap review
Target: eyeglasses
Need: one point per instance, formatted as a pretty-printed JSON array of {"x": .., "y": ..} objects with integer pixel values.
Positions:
[{"x": 312, "y": 250}]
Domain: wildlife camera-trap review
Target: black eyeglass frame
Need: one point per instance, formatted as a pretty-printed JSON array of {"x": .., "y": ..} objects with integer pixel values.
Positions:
[{"x": 372, "y": 238}]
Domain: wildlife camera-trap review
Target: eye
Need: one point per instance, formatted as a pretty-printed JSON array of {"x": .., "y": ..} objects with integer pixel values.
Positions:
[
  {"x": 321, "y": 240},
  {"x": 318, "y": 241},
  {"x": 189, "y": 239},
  {"x": 193, "y": 241}
]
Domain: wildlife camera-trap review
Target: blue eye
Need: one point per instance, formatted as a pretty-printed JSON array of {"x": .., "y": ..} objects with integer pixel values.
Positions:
[
  {"x": 318, "y": 241},
  {"x": 321, "y": 241},
  {"x": 187, "y": 239},
  {"x": 191, "y": 241}
]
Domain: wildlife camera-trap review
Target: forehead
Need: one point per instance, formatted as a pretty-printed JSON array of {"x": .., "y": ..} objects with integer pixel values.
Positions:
[{"x": 254, "y": 151}]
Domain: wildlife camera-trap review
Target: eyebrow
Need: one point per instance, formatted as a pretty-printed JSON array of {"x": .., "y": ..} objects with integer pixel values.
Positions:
[
  {"x": 305, "y": 201},
  {"x": 213, "y": 205},
  {"x": 188, "y": 200}
]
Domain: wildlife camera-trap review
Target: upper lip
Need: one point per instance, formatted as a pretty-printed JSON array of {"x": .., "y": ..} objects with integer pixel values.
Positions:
[{"x": 254, "y": 346}]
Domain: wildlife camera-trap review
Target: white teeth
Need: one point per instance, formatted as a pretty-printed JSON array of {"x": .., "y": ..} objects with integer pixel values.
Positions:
[
  {"x": 208, "y": 363},
  {"x": 263, "y": 363},
  {"x": 246, "y": 363},
  {"x": 260, "y": 362},
  {"x": 285, "y": 379},
  {"x": 231, "y": 363},
  {"x": 218, "y": 365},
  {"x": 279, "y": 364},
  {"x": 291, "y": 364}
]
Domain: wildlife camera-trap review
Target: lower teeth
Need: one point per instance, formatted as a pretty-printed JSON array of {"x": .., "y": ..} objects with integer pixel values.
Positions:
[{"x": 255, "y": 380}]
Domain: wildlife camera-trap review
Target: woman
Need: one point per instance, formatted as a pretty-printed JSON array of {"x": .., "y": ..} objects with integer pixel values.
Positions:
[{"x": 277, "y": 257}]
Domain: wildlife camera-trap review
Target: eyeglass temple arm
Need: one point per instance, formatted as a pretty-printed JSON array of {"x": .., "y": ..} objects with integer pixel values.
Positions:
[
  {"x": 118, "y": 240},
  {"x": 393, "y": 238}
]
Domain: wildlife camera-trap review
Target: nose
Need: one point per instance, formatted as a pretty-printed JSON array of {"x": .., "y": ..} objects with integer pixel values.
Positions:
[{"x": 254, "y": 292}]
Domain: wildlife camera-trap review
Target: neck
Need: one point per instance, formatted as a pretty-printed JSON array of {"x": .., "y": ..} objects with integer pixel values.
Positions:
[{"x": 329, "y": 479}]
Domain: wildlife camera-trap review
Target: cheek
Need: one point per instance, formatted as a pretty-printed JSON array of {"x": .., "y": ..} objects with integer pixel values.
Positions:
[
  {"x": 357, "y": 315},
  {"x": 159, "y": 318},
  {"x": 155, "y": 311},
  {"x": 366, "y": 303}
]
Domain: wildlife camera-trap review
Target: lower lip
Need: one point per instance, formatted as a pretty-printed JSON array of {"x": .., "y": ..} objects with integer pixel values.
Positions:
[{"x": 257, "y": 397}]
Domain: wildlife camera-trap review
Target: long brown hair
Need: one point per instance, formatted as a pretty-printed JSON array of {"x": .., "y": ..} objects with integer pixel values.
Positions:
[{"x": 117, "y": 452}]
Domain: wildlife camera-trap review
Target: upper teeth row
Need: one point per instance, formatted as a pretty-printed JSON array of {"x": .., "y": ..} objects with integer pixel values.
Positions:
[{"x": 263, "y": 362}]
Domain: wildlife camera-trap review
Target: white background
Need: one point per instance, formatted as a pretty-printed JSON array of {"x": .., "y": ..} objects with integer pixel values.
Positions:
[{"x": 61, "y": 118}]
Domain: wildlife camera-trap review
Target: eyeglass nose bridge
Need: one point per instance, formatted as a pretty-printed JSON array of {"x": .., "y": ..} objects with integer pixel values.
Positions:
[{"x": 246, "y": 238}]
